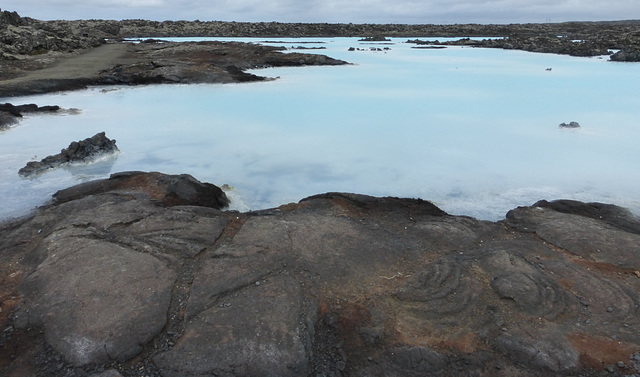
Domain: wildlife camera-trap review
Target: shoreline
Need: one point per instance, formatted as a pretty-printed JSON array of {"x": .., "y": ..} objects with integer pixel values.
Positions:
[
  {"x": 152, "y": 62},
  {"x": 335, "y": 282},
  {"x": 34, "y": 52}
]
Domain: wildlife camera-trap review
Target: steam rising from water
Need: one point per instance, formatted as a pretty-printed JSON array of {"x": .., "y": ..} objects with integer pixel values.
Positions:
[{"x": 473, "y": 130}]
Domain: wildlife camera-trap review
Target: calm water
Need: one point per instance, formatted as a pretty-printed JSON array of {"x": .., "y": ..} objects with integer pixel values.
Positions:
[{"x": 473, "y": 130}]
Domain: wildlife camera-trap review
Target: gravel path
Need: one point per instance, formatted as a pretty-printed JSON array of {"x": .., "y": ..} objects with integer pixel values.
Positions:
[{"x": 84, "y": 65}]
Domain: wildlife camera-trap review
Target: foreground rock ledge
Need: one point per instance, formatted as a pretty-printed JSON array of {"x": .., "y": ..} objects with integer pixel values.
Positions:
[{"x": 112, "y": 277}]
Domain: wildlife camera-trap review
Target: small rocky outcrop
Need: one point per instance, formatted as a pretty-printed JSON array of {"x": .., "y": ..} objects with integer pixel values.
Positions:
[
  {"x": 110, "y": 279},
  {"x": 10, "y": 114},
  {"x": 18, "y": 110},
  {"x": 627, "y": 54},
  {"x": 9, "y": 18},
  {"x": 78, "y": 151},
  {"x": 572, "y": 124},
  {"x": 543, "y": 44},
  {"x": 375, "y": 39}
]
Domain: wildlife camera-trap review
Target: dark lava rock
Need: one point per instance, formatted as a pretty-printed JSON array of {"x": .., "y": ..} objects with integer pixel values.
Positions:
[
  {"x": 590, "y": 237},
  {"x": 569, "y": 125},
  {"x": 118, "y": 63},
  {"x": 171, "y": 190},
  {"x": 609, "y": 213},
  {"x": 9, "y": 18},
  {"x": 204, "y": 62},
  {"x": 247, "y": 347},
  {"x": 110, "y": 276},
  {"x": 627, "y": 54},
  {"x": 109, "y": 320},
  {"x": 11, "y": 109},
  {"x": 28, "y": 108},
  {"x": 10, "y": 114},
  {"x": 23, "y": 36},
  {"x": 7, "y": 119},
  {"x": 78, "y": 151},
  {"x": 590, "y": 46},
  {"x": 375, "y": 39}
]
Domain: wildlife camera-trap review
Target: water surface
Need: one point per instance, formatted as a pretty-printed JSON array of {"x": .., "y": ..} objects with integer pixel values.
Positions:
[{"x": 473, "y": 130}]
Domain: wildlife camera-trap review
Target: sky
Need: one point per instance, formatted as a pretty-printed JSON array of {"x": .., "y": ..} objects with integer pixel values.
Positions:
[{"x": 333, "y": 11}]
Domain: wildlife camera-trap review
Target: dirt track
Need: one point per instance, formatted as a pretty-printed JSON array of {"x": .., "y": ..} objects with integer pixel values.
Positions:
[{"x": 84, "y": 65}]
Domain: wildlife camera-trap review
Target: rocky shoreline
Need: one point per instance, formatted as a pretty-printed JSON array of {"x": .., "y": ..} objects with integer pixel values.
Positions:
[
  {"x": 29, "y": 45},
  {"x": 156, "y": 62},
  {"x": 37, "y": 55},
  {"x": 22, "y": 38},
  {"x": 118, "y": 277},
  {"x": 626, "y": 52}
]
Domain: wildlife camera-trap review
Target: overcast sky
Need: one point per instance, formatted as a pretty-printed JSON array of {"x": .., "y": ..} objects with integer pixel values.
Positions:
[{"x": 342, "y": 11}]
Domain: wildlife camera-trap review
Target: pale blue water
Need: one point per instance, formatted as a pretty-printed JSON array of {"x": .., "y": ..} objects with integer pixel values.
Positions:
[{"x": 473, "y": 130}]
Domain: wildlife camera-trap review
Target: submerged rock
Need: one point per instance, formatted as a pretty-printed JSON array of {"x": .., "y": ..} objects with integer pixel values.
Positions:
[
  {"x": 569, "y": 125},
  {"x": 78, "y": 151},
  {"x": 117, "y": 274}
]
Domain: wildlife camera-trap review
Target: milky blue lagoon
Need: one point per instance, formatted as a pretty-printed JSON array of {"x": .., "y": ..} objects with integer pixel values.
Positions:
[{"x": 473, "y": 130}]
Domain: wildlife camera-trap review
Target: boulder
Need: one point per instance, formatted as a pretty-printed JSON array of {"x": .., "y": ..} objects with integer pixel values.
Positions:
[
  {"x": 78, "y": 151},
  {"x": 9, "y": 18},
  {"x": 569, "y": 125},
  {"x": 10, "y": 109},
  {"x": 7, "y": 120},
  {"x": 171, "y": 190}
]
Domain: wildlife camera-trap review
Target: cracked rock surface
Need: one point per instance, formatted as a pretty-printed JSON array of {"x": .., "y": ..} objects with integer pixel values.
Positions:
[{"x": 118, "y": 278}]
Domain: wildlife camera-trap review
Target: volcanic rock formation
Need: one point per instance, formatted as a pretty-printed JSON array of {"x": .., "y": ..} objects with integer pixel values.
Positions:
[
  {"x": 78, "y": 151},
  {"x": 117, "y": 277}
]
